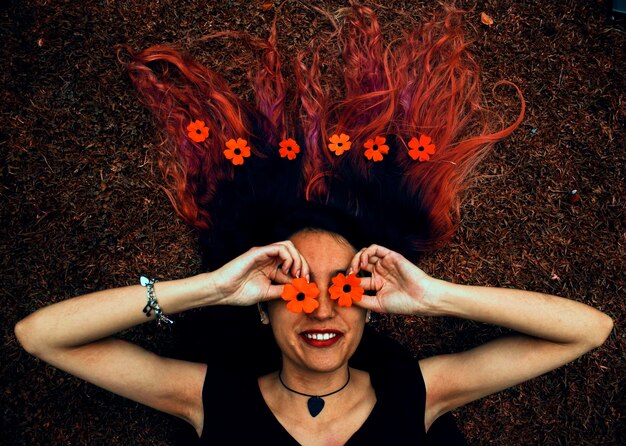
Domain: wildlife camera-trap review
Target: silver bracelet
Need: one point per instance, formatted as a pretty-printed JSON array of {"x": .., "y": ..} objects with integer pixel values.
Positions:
[{"x": 152, "y": 304}]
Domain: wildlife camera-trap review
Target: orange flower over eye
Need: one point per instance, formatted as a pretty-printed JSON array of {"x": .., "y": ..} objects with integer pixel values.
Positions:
[
  {"x": 376, "y": 148},
  {"x": 237, "y": 150},
  {"x": 198, "y": 132},
  {"x": 301, "y": 296},
  {"x": 346, "y": 289},
  {"x": 421, "y": 149},
  {"x": 289, "y": 149},
  {"x": 339, "y": 143}
]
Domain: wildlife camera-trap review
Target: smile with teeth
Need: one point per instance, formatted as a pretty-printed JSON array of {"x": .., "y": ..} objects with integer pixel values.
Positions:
[{"x": 320, "y": 336}]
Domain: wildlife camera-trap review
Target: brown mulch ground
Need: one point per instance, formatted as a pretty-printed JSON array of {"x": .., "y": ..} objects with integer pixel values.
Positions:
[{"x": 81, "y": 208}]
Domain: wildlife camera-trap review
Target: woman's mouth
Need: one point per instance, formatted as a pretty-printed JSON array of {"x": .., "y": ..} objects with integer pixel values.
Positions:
[{"x": 321, "y": 338}]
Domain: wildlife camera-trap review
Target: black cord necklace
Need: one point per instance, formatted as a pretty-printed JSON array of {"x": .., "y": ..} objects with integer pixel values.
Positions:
[{"x": 315, "y": 403}]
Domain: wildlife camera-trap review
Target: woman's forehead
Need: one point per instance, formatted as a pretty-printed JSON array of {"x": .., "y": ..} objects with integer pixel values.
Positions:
[
  {"x": 321, "y": 237},
  {"x": 325, "y": 253}
]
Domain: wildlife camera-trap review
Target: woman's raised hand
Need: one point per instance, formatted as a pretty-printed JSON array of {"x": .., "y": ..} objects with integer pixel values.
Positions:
[
  {"x": 400, "y": 286},
  {"x": 259, "y": 274}
]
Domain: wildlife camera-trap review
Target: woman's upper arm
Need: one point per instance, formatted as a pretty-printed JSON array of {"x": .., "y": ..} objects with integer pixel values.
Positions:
[
  {"x": 456, "y": 379},
  {"x": 168, "y": 385}
]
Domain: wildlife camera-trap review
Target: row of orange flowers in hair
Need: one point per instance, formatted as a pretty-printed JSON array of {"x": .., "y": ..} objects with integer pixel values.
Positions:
[
  {"x": 302, "y": 295},
  {"x": 237, "y": 150}
]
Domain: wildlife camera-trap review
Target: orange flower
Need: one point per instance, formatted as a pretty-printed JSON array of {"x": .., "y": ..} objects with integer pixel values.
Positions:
[
  {"x": 376, "y": 148},
  {"x": 421, "y": 149},
  {"x": 301, "y": 296},
  {"x": 339, "y": 143},
  {"x": 198, "y": 131},
  {"x": 289, "y": 148},
  {"x": 346, "y": 289},
  {"x": 237, "y": 150}
]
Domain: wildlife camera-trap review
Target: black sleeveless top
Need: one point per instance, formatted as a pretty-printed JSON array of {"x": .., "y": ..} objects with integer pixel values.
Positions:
[{"x": 235, "y": 412}]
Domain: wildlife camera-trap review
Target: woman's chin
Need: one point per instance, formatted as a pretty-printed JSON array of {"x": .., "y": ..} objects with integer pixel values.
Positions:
[{"x": 321, "y": 362}]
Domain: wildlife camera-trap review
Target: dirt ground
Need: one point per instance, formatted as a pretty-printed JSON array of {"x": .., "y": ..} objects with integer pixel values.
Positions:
[{"x": 81, "y": 208}]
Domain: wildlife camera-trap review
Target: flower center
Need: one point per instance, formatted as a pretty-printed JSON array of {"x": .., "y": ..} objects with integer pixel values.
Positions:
[
  {"x": 339, "y": 144},
  {"x": 375, "y": 148},
  {"x": 420, "y": 148},
  {"x": 198, "y": 131},
  {"x": 346, "y": 288},
  {"x": 237, "y": 151},
  {"x": 300, "y": 297}
]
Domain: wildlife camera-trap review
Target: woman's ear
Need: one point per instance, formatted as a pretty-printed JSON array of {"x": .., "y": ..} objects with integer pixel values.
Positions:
[{"x": 263, "y": 313}]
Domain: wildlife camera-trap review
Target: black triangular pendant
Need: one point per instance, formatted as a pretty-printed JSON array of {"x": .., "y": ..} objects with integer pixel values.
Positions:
[{"x": 316, "y": 404}]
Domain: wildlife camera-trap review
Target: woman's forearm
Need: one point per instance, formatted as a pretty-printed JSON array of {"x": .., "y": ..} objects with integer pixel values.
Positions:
[
  {"x": 544, "y": 316},
  {"x": 94, "y": 316}
]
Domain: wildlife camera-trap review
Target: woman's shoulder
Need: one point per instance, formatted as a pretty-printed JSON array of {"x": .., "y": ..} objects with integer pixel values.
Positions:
[{"x": 385, "y": 358}]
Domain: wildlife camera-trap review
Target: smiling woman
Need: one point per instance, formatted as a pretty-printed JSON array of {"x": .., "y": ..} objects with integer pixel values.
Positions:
[{"x": 316, "y": 239}]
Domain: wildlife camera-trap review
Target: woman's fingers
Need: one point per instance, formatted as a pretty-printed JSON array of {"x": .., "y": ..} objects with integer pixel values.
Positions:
[
  {"x": 280, "y": 262},
  {"x": 355, "y": 264},
  {"x": 367, "y": 283},
  {"x": 273, "y": 292},
  {"x": 295, "y": 264},
  {"x": 369, "y": 256},
  {"x": 370, "y": 303}
]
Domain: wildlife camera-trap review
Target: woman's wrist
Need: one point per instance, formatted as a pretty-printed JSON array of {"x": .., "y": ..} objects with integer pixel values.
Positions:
[
  {"x": 438, "y": 297},
  {"x": 181, "y": 295}
]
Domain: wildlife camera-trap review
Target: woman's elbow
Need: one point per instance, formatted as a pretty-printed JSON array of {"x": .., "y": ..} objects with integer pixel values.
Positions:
[
  {"x": 608, "y": 327},
  {"x": 25, "y": 335},
  {"x": 601, "y": 331}
]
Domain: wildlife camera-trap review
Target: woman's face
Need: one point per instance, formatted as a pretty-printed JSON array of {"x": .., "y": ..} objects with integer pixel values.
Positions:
[{"x": 326, "y": 255}]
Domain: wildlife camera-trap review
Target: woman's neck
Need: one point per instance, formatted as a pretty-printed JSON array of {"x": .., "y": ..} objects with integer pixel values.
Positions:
[{"x": 313, "y": 382}]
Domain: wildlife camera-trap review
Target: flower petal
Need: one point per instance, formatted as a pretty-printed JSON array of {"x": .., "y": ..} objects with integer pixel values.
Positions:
[
  {"x": 335, "y": 291},
  {"x": 357, "y": 294},
  {"x": 311, "y": 291},
  {"x": 289, "y": 292},
  {"x": 310, "y": 305},
  {"x": 353, "y": 280},
  {"x": 245, "y": 151},
  {"x": 294, "y": 306},
  {"x": 345, "y": 300},
  {"x": 301, "y": 284},
  {"x": 231, "y": 144},
  {"x": 339, "y": 279}
]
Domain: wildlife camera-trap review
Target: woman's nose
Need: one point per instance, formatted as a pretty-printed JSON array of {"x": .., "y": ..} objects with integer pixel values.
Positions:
[{"x": 326, "y": 309}]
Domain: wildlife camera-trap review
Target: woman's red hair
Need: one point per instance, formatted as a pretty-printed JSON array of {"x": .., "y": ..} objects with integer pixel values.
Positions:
[{"x": 426, "y": 82}]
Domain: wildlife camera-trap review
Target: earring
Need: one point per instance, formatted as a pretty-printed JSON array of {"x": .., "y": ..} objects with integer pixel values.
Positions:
[
  {"x": 368, "y": 316},
  {"x": 262, "y": 313}
]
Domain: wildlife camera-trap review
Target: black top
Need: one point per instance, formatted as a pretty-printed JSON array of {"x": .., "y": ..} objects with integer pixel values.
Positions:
[{"x": 235, "y": 412}]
